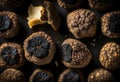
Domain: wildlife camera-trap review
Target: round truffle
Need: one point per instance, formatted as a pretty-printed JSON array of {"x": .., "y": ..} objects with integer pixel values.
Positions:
[
  {"x": 39, "y": 48},
  {"x": 12, "y": 75},
  {"x": 41, "y": 76},
  {"x": 11, "y": 55},
  {"x": 110, "y": 56},
  {"x": 101, "y": 75},
  {"x": 75, "y": 54},
  {"x": 9, "y": 24},
  {"x": 100, "y": 4},
  {"x": 111, "y": 24},
  {"x": 71, "y": 75},
  {"x": 69, "y": 4},
  {"x": 11, "y": 3},
  {"x": 82, "y": 23}
]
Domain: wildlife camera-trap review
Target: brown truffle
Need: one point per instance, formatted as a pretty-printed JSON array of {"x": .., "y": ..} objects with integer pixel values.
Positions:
[
  {"x": 100, "y": 4},
  {"x": 9, "y": 24},
  {"x": 12, "y": 75},
  {"x": 44, "y": 14},
  {"x": 82, "y": 23},
  {"x": 101, "y": 75},
  {"x": 111, "y": 24},
  {"x": 75, "y": 54},
  {"x": 110, "y": 56},
  {"x": 71, "y": 75},
  {"x": 69, "y": 4},
  {"x": 11, "y": 55},
  {"x": 39, "y": 48},
  {"x": 11, "y": 3},
  {"x": 41, "y": 76}
]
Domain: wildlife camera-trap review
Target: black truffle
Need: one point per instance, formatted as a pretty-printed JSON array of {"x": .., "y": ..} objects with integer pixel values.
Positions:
[{"x": 39, "y": 48}]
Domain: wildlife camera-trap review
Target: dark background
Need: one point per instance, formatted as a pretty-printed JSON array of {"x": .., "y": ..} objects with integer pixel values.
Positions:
[{"x": 94, "y": 44}]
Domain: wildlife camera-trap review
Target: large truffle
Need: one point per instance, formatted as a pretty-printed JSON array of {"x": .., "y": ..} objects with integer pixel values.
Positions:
[
  {"x": 12, "y": 75},
  {"x": 101, "y": 75},
  {"x": 82, "y": 23},
  {"x": 39, "y": 48},
  {"x": 11, "y": 55},
  {"x": 110, "y": 56},
  {"x": 111, "y": 24},
  {"x": 9, "y": 24},
  {"x": 75, "y": 54}
]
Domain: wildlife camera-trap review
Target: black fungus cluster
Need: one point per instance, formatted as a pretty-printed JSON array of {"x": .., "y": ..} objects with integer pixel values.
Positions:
[
  {"x": 41, "y": 77},
  {"x": 66, "y": 52},
  {"x": 38, "y": 47},
  {"x": 71, "y": 76},
  {"x": 10, "y": 55}
]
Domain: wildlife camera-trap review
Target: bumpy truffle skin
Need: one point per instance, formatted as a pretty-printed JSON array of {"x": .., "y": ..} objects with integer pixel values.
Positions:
[
  {"x": 82, "y": 23},
  {"x": 106, "y": 21},
  {"x": 69, "y": 4},
  {"x": 14, "y": 27},
  {"x": 71, "y": 75},
  {"x": 110, "y": 56},
  {"x": 11, "y": 3},
  {"x": 46, "y": 77},
  {"x": 7, "y": 58},
  {"x": 101, "y": 75},
  {"x": 12, "y": 75},
  {"x": 51, "y": 50},
  {"x": 100, "y": 4},
  {"x": 76, "y": 55}
]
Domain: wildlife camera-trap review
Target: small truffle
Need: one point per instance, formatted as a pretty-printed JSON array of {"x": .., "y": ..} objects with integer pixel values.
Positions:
[
  {"x": 9, "y": 24},
  {"x": 11, "y": 55},
  {"x": 111, "y": 24},
  {"x": 41, "y": 76},
  {"x": 71, "y": 75},
  {"x": 12, "y": 75},
  {"x": 100, "y": 4},
  {"x": 69, "y": 4},
  {"x": 101, "y": 75},
  {"x": 43, "y": 14},
  {"x": 82, "y": 23},
  {"x": 110, "y": 56},
  {"x": 75, "y": 54},
  {"x": 39, "y": 48}
]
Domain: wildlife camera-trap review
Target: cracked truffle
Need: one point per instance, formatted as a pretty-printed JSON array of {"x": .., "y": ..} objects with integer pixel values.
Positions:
[
  {"x": 111, "y": 24},
  {"x": 42, "y": 14},
  {"x": 100, "y": 4},
  {"x": 101, "y": 75},
  {"x": 11, "y": 55},
  {"x": 75, "y": 54},
  {"x": 71, "y": 75},
  {"x": 69, "y": 4},
  {"x": 39, "y": 48},
  {"x": 9, "y": 24},
  {"x": 12, "y": 75},
  {"x": 82, "y": 23},
  {"x": 41, "y": 76},
  {"x": 110, "y": 56},
  {"x": 11, "y": 3}
]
